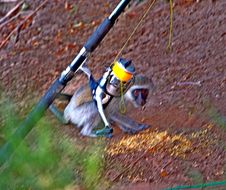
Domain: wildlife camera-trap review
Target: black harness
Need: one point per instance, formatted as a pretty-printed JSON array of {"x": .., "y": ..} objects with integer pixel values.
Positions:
[{"x": 93, "y": 84}]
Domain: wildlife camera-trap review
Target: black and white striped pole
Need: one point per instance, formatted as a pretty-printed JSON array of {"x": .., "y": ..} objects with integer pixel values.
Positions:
[{"x": 47, "y": 99}]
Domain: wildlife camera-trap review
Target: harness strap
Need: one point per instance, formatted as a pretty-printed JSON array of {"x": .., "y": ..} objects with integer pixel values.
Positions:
[{"x": 93, "y": 84}]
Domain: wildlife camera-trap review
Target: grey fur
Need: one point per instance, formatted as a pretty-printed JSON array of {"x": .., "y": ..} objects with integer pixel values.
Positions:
[{"x": 86, "y": 116}]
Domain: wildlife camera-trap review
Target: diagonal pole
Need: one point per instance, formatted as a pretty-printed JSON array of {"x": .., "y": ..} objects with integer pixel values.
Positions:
[{"x": 47, "y": 99}]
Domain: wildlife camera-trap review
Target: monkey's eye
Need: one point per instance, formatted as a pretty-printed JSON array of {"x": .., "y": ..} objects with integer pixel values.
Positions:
[
  {"x": 144, "y": 93},
  {"x": 136, "y": 93}
]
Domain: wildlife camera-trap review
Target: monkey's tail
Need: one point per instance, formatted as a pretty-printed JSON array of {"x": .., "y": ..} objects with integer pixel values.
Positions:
[{"x": 58, "y": 114}]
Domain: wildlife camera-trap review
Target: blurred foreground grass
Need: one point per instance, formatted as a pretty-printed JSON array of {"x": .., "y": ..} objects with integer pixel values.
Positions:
[{"x": 46, "y": 159}]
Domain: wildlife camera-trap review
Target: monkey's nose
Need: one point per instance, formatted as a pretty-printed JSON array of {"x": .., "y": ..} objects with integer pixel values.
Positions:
[{"x": 143, "y": 102}]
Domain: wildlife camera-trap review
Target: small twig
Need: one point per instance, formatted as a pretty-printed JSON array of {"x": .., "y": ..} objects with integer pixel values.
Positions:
[
  {"x": 12, "y": 12},
  {"x": 7, "y": 1},
  {"x": 17, "y": 34},
  {"x": 23, "y": 14},
  {"x": 18, "y": 28},
  {"x": 10, "y": 20},
  {"x": 198, "y": 83},
  {"x": 171, "y": 26},
  {"x": 130, "y": 166}
]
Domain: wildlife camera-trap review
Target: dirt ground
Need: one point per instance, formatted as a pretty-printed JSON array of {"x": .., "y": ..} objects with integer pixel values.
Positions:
[{"x": 186, "y": 141}]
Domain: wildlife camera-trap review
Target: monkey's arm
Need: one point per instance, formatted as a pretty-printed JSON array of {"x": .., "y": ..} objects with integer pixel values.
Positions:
[
  {"x": 100, "y": 106},
  {"x": 126, "y": 124}
]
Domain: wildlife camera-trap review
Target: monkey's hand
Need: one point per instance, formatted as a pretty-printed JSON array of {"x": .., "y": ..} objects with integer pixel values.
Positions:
[{"x": 104, "y": 132}]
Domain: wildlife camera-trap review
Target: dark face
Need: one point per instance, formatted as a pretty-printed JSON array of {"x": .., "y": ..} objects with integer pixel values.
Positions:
[{"x": 140, "y": 96}]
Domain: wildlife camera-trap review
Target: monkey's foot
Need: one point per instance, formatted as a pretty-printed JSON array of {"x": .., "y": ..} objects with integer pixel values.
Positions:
[
  {"x": 141, "y": 127},
  {"x": 134, "y": 130},
  {"x": 105, "y": 132}
]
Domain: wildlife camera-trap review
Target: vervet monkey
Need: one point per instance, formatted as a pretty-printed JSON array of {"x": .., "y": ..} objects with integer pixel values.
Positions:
[
  {"x": 82, "y": 110},
  {"x": 100, "y": 101}
]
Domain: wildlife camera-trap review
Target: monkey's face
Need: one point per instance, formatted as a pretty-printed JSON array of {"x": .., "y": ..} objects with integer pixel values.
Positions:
[
  {"x": 139, "y": 91},
  {"x": 140, "y": 96}
]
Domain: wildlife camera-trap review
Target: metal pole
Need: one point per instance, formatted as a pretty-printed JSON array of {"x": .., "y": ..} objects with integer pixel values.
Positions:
[{"x": 38, "y": 111}]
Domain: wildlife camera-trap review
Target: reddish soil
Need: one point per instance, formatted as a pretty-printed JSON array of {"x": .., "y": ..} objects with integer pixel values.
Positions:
[{"x": 186, "y": 143}]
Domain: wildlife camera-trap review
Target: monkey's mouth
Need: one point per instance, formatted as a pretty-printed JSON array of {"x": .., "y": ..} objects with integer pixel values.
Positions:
[
  {"x": 143, "y": 107},
  {"x": 141, "y": 103}
]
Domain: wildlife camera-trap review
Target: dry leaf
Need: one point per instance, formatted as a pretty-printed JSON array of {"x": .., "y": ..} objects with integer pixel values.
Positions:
[{"x": 163, "y": 173}]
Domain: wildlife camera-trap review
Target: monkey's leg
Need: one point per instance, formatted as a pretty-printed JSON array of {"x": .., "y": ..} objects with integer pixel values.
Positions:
[
  {"x": 58, "y": 114},
  {"x": 128, "y": 125},
  {"x": 62, "y": 96},
  {"x": 87, "y": 131},
  {"x": 90, "y": 124}
]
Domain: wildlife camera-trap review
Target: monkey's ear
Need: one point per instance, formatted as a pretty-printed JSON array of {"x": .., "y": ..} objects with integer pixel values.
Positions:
[{"x": 152, "y": 86}]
